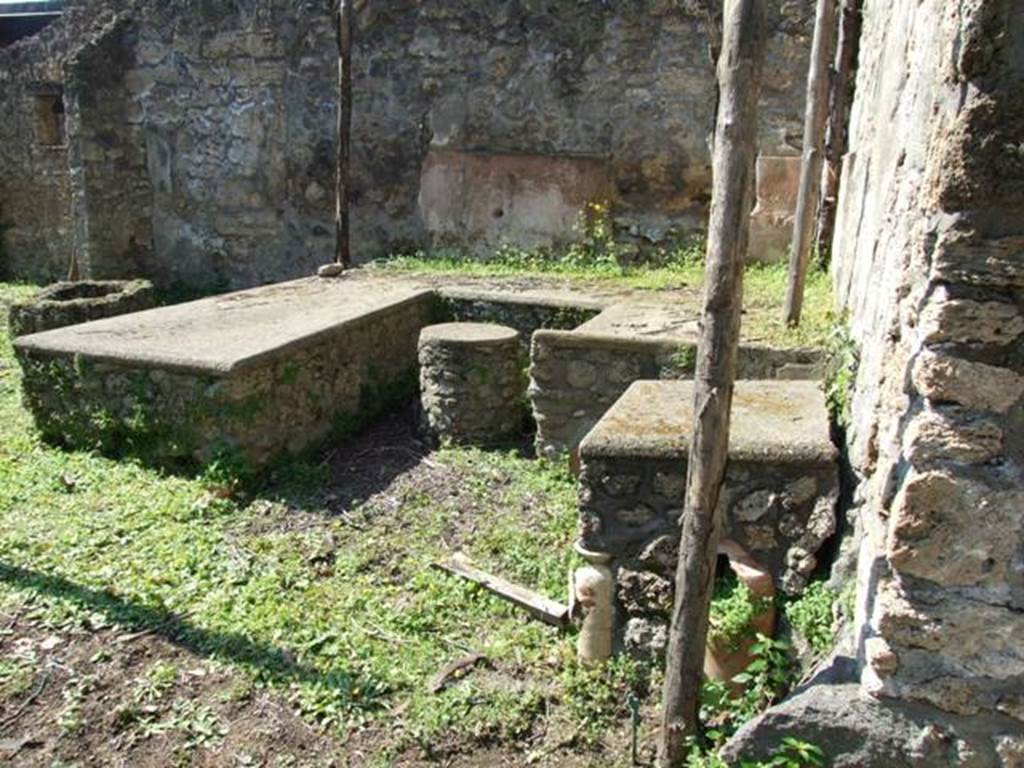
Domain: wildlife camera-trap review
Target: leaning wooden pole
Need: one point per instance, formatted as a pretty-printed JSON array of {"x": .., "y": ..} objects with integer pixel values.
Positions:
[
  {"x": 735, "y": 148},
  {"x": 815, "y": 112},
  {"x": 836, "y": 135},
  {"x": 342, "y": 252}
]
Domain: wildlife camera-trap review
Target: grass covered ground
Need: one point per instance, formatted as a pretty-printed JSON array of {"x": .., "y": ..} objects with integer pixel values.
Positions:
[
  {"x": 146, "y": 620},
  {"x": 764, "y": 286},
  {"x": 149, "y": 619}
]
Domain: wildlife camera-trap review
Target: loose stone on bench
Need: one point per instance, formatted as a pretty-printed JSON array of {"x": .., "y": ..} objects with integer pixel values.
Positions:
[
  {"x": 471, "y": 382},
  {"x": 331, "y": 269}
]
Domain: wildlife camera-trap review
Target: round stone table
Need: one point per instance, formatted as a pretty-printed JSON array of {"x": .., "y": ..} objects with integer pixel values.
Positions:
[{"x": 471, "y": 382}]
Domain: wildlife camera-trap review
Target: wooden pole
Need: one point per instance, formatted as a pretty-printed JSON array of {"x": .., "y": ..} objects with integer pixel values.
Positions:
[
  {"x": 342, "y": 253},
  {"x": 847, "y": 50},
  {"x": 815, "y": 113},
  {"x": 735, "y": 148}
]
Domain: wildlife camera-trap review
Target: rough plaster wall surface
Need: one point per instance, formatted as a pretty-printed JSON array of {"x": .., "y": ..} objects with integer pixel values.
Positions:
[
  {"x": 928, "y": 261},
  {"x": 37, "y": 178},
  {"x": 34, "y": 190},
  {"x": 202, "y": 149},
  {"x": 208, "y": 123}
]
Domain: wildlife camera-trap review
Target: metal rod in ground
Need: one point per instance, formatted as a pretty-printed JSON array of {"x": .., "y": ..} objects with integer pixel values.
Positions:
[{"x": 735, "y": 148}]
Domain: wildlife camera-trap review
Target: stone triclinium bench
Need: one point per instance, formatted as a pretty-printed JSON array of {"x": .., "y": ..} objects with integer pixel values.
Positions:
[
  {"x": 576, "y": 375},
  {"x": 260, "y": 372},
  {"x": 780, "y": 490}
]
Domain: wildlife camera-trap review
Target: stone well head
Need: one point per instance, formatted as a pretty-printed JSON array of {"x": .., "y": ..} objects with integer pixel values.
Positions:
[{"x": 70, "y": 303}]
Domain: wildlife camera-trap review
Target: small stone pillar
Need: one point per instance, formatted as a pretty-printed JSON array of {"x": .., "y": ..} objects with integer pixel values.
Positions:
[
  {"x": 592, "y": 591},
  {"x": 471, "y": 382}
]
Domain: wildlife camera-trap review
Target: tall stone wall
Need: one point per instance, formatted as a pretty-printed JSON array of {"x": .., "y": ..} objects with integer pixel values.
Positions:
[
  {"x": 35, "y": 226},
  {"x": 111, "y": 195},
  {"x": 37, "y": 132},
  {"x": 929, "y": 262},
  {"x": 202, "y": 134},
  {"x": 203, "y": 142}
]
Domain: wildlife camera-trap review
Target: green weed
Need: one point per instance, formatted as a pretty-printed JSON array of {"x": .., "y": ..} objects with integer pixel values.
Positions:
[
  {"x": 766, "y": 679},
  {"x": 811, "y": 616},
  {"x": 733, "y": 608},
  {"x": 596, "y": 696},
  {"x": 158, "y": 680},
  {"x": 791, "y": 753},
  {"x": 842, "y": 359},
  {"x": 70, "y": 716}
]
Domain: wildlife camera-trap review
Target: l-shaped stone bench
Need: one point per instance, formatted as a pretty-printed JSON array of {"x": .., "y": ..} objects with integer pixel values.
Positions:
[
  {"x": 263, "y": 371},
  {"x": 576, "y": 375},
  {"x": 275, "y": 369}
]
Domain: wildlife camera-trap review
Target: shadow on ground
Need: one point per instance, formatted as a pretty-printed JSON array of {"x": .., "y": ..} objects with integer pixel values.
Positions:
[{"x": 271, "y": 663}]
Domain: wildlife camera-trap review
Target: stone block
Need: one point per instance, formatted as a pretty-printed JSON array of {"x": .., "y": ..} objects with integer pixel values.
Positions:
[
  {"x": 955, "y": 531},
  {"x": 965, "y": 321},
  {"x": 780, "y": 490},
  {"x": 950, "y": 435},
  {"x": 859, "y": 731},
  {"x": 946, "y": 379},
  {"x": 258, "y": 372}
]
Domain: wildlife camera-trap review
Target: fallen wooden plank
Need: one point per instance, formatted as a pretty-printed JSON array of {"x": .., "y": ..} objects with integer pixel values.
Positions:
[{"x": 540, "y": 607}]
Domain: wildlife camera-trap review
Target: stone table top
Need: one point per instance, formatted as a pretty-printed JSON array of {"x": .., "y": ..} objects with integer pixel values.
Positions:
[
  {"x": 223, "y": 333},
  {"x": 468, "y": 334},
  {"x": 668, "y": 322},
  {"x": 772, "y": 421}
]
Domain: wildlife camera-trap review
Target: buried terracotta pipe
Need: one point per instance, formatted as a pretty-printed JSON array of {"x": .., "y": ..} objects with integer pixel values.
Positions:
[{"x": 724, "y": 664}]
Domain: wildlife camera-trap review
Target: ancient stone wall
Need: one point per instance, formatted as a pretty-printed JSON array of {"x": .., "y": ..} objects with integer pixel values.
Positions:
[
  {"x": 929, "y": 262},
  {"x": 111, "y": 195},
  {"x": 203, "y": 146},
  {"x": 35, "y": 226}
]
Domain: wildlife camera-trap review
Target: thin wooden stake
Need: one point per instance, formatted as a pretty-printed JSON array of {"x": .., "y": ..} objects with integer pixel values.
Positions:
[
  {"x": 342, "y": 253},
  {"x": 735, "y": 148},
  {"x": 847, "y": 51},
  {"x": 815, "y": 113}
]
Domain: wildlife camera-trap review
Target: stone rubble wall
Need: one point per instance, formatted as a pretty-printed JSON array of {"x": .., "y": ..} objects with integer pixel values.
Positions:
[
  {"x": 928, "y": 260},
  {"x": 780, "y": 514},
  {"x": 525, "y": 316},
  {"x": 202, "y": 146},
  {"x": 282, "y": 404},
  {"x": 575, "y": 377},
  {"x": 35, "y": 192},
  {"x": 111, "y": 192}
]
